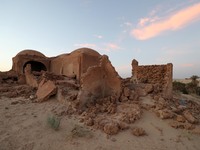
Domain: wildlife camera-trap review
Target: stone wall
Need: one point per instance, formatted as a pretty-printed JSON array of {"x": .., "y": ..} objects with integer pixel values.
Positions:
[{"x": 158, "y": 75}]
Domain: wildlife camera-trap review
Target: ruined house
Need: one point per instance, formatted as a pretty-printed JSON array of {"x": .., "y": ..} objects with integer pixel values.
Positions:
[
  {"x": 93, "y": 71},
  {"x": 72, "y": 64}
]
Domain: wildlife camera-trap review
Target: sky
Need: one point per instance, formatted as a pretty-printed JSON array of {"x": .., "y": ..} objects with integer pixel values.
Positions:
[{"x": 150, "y": 31}]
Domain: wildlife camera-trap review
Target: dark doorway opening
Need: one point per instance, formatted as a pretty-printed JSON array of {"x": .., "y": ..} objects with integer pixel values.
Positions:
[{"x": 35, "y": 66}]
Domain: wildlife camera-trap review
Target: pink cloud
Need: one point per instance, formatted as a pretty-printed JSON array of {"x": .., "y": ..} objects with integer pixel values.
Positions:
[
  {"x": 187, "y": 65},
  {"x": 171, "y": 22},
  {"x": 112, "y": 46}
]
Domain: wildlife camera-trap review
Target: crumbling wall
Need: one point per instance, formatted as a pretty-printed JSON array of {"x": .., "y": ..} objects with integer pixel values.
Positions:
[
  {"x": 158, "y": 75},
  {"x": 100, "y": 81}
]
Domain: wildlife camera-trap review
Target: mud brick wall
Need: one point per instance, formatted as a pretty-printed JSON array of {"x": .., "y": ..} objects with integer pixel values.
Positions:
[{"x": 158, "y": 75}]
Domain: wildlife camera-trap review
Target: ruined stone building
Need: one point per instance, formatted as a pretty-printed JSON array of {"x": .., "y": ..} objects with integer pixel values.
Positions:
[
  {"x": 94, "y": 73},
  {"x": 73, "y": 64}
]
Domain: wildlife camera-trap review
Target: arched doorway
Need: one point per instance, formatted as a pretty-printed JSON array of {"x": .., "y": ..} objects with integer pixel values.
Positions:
[{"x": 35, "y": 66}]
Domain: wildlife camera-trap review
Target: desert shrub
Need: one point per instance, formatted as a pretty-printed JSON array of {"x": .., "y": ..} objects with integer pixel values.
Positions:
[
  {"x": 191, "y": 87},
  {"x": 53, "y": 122},
  {"x": 178, "y": 86}
]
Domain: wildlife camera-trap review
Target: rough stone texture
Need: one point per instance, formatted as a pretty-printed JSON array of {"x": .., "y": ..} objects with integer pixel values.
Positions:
[
  {"x": 129, "y": 113},
  {"x": 9, "y": 77},
  {"x": 100, "y": 81},
  {"x": 158, "y": 75},
  {"x": 111, "y": 128},
  {"x": 30, "y": 78},
  {"x": 189, "y": 117},
  {"x": 138, "y": 131},
  {"x": 181, "y": 125},
  {"x": 165, "y": 114},
  {"x": 45, "y": 90},
  {"x": 180, "y": 118}
]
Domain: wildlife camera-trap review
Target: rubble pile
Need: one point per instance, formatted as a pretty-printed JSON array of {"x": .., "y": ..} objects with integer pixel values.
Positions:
[
  {"x": 183, "y": 115},
  {"x": 110, "y": 115},
  {"x": 16, "y": 91}
]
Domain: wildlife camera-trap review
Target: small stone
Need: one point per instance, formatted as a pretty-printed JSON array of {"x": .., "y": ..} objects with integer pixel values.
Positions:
[
  {"x": 111, "y": 128},
  {"x": 188, "y": 116},
  {"x": 32, "y": 97},
  {"x": 14, "y": 102},
  {"x": 180, "y": 118},
  {"x": 165, "y": 114},
  {"x": 89, "y": 122},
  {"x": 138, "y": 131},
  {"x": 113, "y": 140},
  {"x": 123, "y": 126}
]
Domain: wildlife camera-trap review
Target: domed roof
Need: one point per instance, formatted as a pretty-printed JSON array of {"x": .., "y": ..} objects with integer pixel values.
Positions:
[
  {"x": 85, "y": 51},
  {"x": 31, "y": 52}
]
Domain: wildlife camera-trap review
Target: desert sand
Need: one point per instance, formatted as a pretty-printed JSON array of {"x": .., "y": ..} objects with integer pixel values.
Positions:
[{"x": 23, "y": 126}]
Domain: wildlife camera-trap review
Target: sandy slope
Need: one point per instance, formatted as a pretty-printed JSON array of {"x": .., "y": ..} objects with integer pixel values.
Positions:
[{"x": 23, "y": 126}]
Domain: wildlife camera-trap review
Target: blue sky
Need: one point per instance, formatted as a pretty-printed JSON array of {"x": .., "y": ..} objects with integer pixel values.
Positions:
[{"x": 153, "y": 32}]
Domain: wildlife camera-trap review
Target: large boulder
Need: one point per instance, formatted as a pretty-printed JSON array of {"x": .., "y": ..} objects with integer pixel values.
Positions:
[{"x": 45, "y": 90}]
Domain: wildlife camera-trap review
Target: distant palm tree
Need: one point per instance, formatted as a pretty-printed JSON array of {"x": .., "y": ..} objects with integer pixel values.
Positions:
[
  {"x": 192, "y": 87},
  {"x": 194, "y": 79}
]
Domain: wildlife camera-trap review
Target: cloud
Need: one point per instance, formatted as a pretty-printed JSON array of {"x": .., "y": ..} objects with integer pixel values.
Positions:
[
  {"x": 187, "y": 65},
  {"x": 89, "y": 45},
  {"x": 128, "y": 24},
  {"x": 104, "y": 47},
  {"x": 111, "y": 46},
  {"x": 152, "y": 26},
  {"x": 144, "y": 21},
  {"x": 98, "y": 36}
]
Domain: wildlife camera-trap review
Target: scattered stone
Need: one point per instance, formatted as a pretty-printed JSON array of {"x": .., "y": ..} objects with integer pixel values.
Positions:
[
  {"x": 165, "y": 114},
  {"x": 189, "y": 117},
  {"x": 14, "y": 102},
  {"x": 89, "y": 122},
  {"x": 196, "y": 130},
  {"x": 138, "y": 131},
  {"x": 32, "y": 97},
  {"x": 111, "y": 128},
  {"x": 181, "y": 125},
  {"x": 113, "y": 140},
  {"x": 180, "y": 118},
  {"x": 123, "y": 126}
]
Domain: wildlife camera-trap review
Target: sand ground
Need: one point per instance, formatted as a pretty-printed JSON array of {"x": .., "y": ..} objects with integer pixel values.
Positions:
[{"x": 23, "y": 126}]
